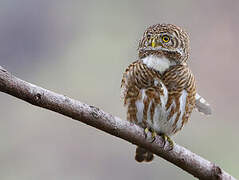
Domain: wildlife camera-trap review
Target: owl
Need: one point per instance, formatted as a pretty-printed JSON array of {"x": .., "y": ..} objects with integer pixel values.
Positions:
[{"x": 159, "y": 89}]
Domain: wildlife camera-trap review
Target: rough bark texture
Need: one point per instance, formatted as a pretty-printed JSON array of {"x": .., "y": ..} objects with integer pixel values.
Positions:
[{"x": 93, "y": 116}]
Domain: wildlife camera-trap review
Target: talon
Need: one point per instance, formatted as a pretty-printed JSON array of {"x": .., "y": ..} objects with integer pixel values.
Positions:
[
  {"x": 146, "y": 130},
  {"x": 164, "y": 139},
  {"x": 170, "y": 141},
  {"x": 154, "y": 134}
]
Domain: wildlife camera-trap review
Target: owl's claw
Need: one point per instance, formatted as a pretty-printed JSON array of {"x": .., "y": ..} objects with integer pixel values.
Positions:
[
  {"x": 153, "y": 134},
  {"x": 164, "y": 136},
  {"x": 170, "y": 141},
  {"x": 146, "y": 130}
]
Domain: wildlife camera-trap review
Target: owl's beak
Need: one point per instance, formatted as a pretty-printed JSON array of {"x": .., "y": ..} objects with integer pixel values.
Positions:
[{"x": 153, "y": 44}]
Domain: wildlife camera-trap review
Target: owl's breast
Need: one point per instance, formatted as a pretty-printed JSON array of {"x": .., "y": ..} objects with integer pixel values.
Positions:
[
  {"x": 160, "y": 111},
  {"x": 162, "y": 102}
]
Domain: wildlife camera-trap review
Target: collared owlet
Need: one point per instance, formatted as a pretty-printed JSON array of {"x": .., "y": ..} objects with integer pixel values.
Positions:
[{"x": 159, "y": 89}]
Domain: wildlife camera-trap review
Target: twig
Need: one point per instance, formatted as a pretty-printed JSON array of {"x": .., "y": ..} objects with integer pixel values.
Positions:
[{"x": 93, "y": 116}]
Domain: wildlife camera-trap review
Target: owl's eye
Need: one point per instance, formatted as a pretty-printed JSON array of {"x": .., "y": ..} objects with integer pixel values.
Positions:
[{"x": 165, "y": 38}]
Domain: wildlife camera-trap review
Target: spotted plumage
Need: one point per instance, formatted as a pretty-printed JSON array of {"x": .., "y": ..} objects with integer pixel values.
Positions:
[{"x": 159, "y": 89}]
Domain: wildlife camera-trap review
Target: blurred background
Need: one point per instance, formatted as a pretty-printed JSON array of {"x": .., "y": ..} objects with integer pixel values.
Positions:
[{"x": 80, "y": 49}]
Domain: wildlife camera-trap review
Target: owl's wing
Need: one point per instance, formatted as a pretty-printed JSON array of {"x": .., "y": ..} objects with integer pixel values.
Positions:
[
  {"x": 124, "y": 83},
  {"x": 179, "y": 79},
  {"x": 136, "y": 77},
  {"x": 128, "y": 80},
  {"x": 202, "y": 105}
]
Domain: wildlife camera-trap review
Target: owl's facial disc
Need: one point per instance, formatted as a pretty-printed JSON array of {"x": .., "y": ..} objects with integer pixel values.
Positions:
[
  {"x": 165, "y": 40},
  {"x": 160, "y": 42}
]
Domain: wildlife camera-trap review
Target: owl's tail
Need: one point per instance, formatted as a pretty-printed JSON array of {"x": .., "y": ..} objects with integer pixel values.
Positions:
[
  {"x": 202, "y": 105},
  {"x": 142, "y": 154}
]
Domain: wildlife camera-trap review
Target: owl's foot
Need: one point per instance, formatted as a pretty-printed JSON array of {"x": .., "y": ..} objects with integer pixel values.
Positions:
[
  {"x": 170, "y": 141},
  {"x": 153, "y": 134},
  {"x": 146, "y": 130}
]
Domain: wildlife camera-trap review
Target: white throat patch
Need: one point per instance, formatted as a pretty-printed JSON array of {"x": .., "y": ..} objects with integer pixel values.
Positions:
[{"x": 156, "y": 63}]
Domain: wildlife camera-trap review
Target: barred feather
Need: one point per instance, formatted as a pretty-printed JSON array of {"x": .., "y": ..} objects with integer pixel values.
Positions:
[{"x": 149, "y": 103}]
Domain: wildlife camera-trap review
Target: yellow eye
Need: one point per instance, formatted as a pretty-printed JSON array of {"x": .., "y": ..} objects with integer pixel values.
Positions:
[{"x": 165, "y": 38}]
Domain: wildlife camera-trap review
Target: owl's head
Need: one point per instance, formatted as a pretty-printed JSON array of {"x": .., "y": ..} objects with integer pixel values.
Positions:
[{"x": 165, "y": 40}]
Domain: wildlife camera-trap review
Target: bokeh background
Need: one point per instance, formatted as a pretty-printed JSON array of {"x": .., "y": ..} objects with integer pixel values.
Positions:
[{"x": 80, "y": 49}]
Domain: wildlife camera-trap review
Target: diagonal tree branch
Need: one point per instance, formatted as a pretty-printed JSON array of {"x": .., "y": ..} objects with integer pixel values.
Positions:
[{"x": 93, "y": 116}]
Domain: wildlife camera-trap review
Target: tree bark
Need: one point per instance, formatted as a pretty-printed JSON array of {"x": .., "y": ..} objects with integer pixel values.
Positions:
[{"x": 93, "y": 116}]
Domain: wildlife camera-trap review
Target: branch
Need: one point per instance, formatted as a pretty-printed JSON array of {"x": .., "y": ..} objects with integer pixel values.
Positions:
[{"x": 93, "y": 116}]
